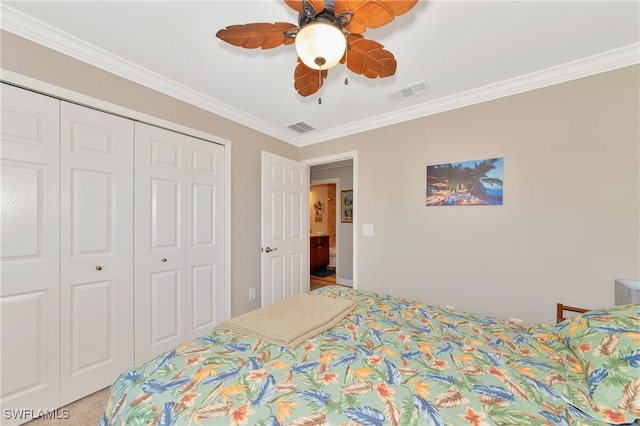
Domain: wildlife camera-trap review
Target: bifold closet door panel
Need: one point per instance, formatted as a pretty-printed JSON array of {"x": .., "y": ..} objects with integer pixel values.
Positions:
[
  {"x": 29, "y": 251},
  {"x": 160, "y": 220},
  {"x": 205, "y": 236},
  {"x": 96, "y": 210}
]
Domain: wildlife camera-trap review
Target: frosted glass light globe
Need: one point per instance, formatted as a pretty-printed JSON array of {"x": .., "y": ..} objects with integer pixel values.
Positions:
[{"x": 320, "y": 45}]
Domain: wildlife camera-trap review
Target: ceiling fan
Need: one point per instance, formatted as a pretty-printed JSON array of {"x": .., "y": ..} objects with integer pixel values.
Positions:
[{"x": 328, "y": 32}]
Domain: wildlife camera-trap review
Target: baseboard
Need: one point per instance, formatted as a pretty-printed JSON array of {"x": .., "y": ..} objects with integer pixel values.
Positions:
[{"x": 344, "y": 281}]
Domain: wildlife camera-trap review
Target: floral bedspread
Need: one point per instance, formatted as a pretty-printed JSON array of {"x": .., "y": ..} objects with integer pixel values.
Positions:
[{"x": 390, "y": 362}]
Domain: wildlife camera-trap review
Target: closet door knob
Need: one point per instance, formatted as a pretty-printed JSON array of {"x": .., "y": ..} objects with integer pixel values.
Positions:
[
  {"x": 99, "y": 268},
  {"x": 164, "y": 259}
]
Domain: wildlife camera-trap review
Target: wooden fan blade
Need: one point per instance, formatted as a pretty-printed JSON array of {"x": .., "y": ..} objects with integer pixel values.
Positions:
[
  {"x": 372, "y": 13},
  {"x": 295, "y": 5},
  {"x": 298, "y": 5},
  {"x": 261, "y": 34},
  {"x": 308, "y": 81},
  {"x": 369, "y": 58}
]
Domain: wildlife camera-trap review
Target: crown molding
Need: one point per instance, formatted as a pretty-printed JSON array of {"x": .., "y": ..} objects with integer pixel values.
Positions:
[
  {"x": 41, "y": 33},
  {"x": 584, "y": 67},
  {"x": 23, "y": 25}
]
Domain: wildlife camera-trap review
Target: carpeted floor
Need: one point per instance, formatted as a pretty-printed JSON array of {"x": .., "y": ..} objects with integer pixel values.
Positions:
[{"x": 83, "y": 412}]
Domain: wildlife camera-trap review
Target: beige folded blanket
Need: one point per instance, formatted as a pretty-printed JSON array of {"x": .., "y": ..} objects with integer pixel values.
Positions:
[{"x": 292, "y": 320}]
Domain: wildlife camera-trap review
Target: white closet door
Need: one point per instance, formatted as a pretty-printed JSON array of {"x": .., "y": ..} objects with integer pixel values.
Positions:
[
  {"x": 205, "y": 237},
  {"x": 96, "y": 249},
  {"x": 29, "y": 252},
  {"x": 160, "y": 291}
]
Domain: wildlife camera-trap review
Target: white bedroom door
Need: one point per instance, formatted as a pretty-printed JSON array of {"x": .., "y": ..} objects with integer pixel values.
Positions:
[
  {"x": 29, "y": 252},
  {"x": 96, "y": 249},
  {"x": 285, "y": 228}
]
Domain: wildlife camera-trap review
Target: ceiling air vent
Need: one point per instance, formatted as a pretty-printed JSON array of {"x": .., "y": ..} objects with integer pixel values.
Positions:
[
  {"x": 408, "y": 92},
  {"x": 301, "y": 127}
]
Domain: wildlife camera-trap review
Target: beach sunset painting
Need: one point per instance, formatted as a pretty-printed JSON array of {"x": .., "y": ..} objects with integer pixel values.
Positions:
[{"x": 467, "y": 183}]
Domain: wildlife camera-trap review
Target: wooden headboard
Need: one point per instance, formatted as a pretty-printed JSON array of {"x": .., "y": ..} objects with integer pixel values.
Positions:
[{"x": 562, "y": 308}]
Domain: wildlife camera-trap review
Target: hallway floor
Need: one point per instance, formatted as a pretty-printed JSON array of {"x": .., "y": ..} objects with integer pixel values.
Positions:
[{"x": 318, "y": 282}]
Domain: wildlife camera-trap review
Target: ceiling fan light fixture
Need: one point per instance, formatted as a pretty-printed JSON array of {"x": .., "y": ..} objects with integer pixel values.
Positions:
[{"x": 320, "y": 45}]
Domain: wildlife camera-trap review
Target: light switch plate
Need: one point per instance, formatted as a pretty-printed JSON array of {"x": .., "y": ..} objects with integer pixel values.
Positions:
[{"x": 367, "y": 230}]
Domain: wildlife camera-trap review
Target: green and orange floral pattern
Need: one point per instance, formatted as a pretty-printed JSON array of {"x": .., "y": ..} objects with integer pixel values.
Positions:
[
  {"x": 390, "y": 362},
  {"x": 606, "y": 344}
]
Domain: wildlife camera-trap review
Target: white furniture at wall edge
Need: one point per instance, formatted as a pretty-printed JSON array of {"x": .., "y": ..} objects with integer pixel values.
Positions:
[{"x": 627, "y": 291}]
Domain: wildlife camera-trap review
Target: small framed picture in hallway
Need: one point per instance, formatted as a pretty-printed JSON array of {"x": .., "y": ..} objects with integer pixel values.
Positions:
[{"x": 347, "y": 206}]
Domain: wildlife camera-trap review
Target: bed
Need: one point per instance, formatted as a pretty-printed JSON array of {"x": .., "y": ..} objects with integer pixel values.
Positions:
[{"x": 392, "y": 361}]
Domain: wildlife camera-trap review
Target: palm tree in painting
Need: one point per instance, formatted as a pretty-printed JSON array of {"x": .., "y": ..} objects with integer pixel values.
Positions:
[
  {"x": 465, "y": 183},
  {"x": 451, "y": 174},
  {"x": 478, "y": 175}
]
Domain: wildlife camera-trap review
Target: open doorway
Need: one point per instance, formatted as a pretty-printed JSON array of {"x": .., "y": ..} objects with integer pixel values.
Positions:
[
  {"x": 323, "y": 217},
  {"x": 330, "y": 178}
]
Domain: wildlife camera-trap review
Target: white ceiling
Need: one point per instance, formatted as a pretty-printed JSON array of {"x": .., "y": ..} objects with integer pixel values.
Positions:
[{"x": 464, "y": 51}]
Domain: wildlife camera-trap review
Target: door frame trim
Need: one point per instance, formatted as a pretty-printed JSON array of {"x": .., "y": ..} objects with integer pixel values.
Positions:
[
  {"x": 61, "y": 93},
  {"x": 348, "y": 155}
]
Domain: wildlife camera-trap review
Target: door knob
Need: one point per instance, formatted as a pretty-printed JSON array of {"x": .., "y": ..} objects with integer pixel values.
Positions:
[
  {"x": 269, "y": 249},
  {"x": 99, "y": 268},
  {"x": 164, "y": 259}
]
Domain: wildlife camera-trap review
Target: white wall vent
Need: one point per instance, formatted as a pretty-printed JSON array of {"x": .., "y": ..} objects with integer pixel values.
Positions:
[
  {"x": 408, "y": 92},
  {"x": 301, "y": 127}
]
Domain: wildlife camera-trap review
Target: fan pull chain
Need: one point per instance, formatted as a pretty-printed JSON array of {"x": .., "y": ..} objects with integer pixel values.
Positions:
[
  {"x": 346, "y": 62},
  {"x": 319, "y": 85}
]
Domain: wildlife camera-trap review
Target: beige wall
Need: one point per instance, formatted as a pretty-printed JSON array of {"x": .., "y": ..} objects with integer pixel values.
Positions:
[
  {"x": 32, "y": 60},
  {"x": 568, "y": 227},
  {"x": 570, "y": 223}
]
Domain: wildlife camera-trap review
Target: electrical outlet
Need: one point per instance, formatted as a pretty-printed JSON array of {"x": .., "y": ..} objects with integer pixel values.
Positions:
[{"x": 252, "y": 293}]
